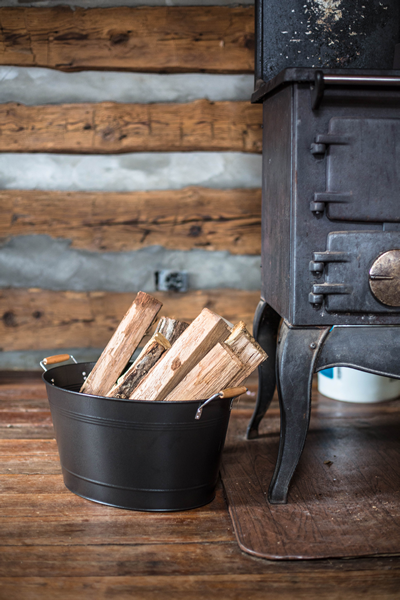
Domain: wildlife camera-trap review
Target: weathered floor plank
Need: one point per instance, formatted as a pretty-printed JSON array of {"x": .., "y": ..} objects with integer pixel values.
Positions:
[
  {"x": 179, "y": 559},
  {"x": 383, "y": 586},
  {"x": 54, "y": 544},
  {"x": 193, "y": 217},
  {"x": 109, "y": 127},
  {"x": 214, "y": 39}
]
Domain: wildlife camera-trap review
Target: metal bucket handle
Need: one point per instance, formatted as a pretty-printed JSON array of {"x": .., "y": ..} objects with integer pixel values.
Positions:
[
  {"x": 56, "y": 358},
  {"x": 228, "y": 393}
]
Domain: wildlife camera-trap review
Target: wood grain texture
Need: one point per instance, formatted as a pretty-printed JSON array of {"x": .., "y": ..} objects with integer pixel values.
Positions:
[
  {"x": 109, "y": 127},
  {"x": 214, "y": 39},
  {"x": 358, "y": 586},
  {"x": 212, "y": 374},
  {"x": 31, "y": 319},
  {"x": 56, "y": 545},
  {"x": 123, "y": 343},
  {"x": 242, "y": 343},
  {"x": 146, "y": 360},
  {"x": 207, "y": 330},
  {"x": 193, "y": 217},
  {"x": 171, "y": 329}
]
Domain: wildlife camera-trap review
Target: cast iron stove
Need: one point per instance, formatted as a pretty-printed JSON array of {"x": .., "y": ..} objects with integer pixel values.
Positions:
[{"x": 330, "y": 239}]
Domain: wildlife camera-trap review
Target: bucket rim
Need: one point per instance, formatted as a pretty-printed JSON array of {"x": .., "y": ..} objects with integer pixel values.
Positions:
[{"x": 110, "y": 398}]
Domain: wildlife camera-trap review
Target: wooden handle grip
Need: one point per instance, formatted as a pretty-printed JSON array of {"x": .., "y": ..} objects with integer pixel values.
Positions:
[
  {"x": 57, "y": 358},
  {"x": 233, "y": 392}
]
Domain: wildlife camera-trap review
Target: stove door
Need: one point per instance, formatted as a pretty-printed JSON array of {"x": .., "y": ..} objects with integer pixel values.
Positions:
[
  {"x": 363, "y": 170},
  {"x": 360, "y": 272}
]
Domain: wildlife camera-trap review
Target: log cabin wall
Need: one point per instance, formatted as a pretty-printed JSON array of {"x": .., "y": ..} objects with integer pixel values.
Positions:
[{"x": 128, "y": 145}]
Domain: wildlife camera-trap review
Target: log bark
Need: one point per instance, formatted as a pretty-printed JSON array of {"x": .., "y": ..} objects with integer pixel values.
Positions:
[
  {"x": 110, "y": 127},
  {"x": 171, "y": 329},
  {"x": 193, "y": 217},
  {"x": 203, "y": 334},
  {"x": 146, "y": 360},
  {"x": 214, "y": 39},
  {"x": 212, "y": 374},
  {"x": 122, "y": 345},
  {"x": 242, "y": 343}
]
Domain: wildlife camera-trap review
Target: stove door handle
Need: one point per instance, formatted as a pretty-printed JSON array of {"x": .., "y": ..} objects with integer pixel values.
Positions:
[
  {"x": 321, "y": 80},
  {"x": 317, "y": 206},
  {"x": 320, "y": 259},
  {"x": 320, "y": 290},
  {"x": 331, "y": 288}
]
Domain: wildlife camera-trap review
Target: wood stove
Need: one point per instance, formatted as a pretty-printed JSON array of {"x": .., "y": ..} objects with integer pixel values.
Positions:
[{"x": 330, "y": 236}]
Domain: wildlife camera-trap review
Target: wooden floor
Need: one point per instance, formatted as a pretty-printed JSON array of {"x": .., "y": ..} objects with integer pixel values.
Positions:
[{"x": 54, "y": 544}]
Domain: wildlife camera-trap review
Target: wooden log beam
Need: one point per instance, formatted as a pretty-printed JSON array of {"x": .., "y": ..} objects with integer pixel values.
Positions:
[
  {"x": 192, "y": 217},
  {"x": 214, "y": 39},
  {"x": 110, "y": 127},
  {"x": 32, "y": 319}
]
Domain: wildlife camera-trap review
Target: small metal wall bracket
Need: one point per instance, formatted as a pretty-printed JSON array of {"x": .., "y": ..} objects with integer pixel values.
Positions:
[{"x": 169, "y": 280}]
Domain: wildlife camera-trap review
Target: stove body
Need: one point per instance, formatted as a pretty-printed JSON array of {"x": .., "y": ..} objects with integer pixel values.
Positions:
[
  {"x": 331, "y": 198},
  {"x": 330, "y": 231}
]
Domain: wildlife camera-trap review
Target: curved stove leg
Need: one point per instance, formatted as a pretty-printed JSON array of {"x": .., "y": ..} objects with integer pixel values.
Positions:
[
  {"x": 297, "y": 351},
  {"x": 265, "y": 331}
]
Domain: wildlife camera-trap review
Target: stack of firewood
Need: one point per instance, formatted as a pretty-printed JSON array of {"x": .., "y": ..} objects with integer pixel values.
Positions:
[{"x": 179, "y": 362}]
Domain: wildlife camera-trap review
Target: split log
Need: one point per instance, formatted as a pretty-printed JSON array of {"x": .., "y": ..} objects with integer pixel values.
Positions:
[
  {"x": 122, "y": 345},
  {"x": 213, "y": 373},
  {"x": 146, "y": 360},
  {"x": 242, "y": 343},
  {"x": 207, "y": 330},
  {"x": 171, "y": 329}
]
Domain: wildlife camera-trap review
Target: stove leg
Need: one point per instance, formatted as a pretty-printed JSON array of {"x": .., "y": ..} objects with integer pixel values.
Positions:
[
  {"x": 265, "y": 330},
  {"x": 297, "y": 351}
]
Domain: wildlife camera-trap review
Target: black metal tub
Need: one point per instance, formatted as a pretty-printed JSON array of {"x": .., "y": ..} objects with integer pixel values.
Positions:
[{"x": 133, "y": 454}]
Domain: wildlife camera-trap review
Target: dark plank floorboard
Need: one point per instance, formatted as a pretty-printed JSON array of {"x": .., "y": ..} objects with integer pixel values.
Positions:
[{"x": 54, "y": 544}]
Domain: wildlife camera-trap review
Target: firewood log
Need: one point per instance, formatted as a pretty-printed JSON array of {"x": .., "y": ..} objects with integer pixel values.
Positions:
[
  {"x": 146, "y": 360},
  {"x": 242, "y": 343},
  {"x": 171, "y": 329},
  {"x": 122, "y": 345},
  {"x": 192, "y": 345},
  {"x": 213, "y": 373}
]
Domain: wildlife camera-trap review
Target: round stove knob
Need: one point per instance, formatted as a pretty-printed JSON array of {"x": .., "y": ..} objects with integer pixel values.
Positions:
[{"x": 384, "y": 278}]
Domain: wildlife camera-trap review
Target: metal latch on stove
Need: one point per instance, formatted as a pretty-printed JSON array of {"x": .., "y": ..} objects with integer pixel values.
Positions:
[
  {"x": 320, "y": 259},
  {"x": 319, "y": 290},
  {"x": 317, "y": 266},
  {"x": 322, "y": 141}
]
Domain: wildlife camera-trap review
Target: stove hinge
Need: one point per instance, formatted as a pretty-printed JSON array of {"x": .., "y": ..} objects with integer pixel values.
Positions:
[
  {"x": 317, "y": 266},
  {"x": 318, "y": 149},
  {"x": 323, "y": 141}
]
